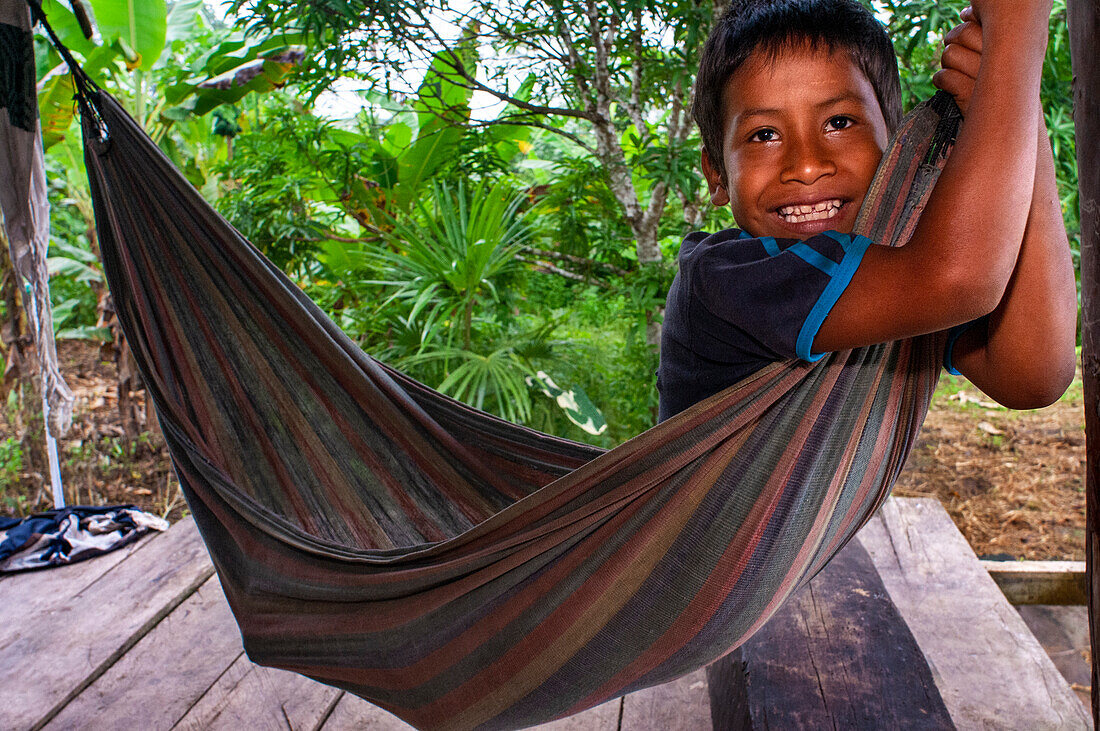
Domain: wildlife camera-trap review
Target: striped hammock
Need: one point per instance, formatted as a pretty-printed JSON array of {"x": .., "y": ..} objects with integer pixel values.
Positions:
[{"x": 453, "y": 568}]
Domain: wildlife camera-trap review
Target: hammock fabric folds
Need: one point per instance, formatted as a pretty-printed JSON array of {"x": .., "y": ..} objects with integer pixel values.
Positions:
[{"x": 451, "y": 567}]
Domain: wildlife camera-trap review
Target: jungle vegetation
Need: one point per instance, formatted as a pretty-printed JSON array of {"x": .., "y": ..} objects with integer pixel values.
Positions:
[{"x": 487, "y": 194}]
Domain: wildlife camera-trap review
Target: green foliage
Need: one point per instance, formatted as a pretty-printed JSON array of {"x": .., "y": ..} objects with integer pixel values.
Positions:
[
  {"x": 496, "y": 379},
  {"x": 578, "y": 408},
  {"x": 279, "y": 197},
  {"x": 413, "y": 223},
  {"x": 575, "y": 204},
  {"x": 327, "y": 24},
  {"x": 75, "y": 270},
  {"x": 11, "y": 462},
  {"x": 448, "y": 259},
  {"x": 447, "y": 272},
  {"x": 917, "y": 28},
  {"x": 442, "y": 109},
  {"x": 1057, "y": 99},
  {"x": 55, "y": 108},
  {"x": 230, "y": 70},
  {"x": 141, "y": 26}
]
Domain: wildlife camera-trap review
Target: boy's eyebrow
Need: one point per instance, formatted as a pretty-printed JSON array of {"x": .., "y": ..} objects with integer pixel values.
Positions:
[{"x": 766, "y": 111}]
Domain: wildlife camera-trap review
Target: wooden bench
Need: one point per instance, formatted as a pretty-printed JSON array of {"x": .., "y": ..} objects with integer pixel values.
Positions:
[
  {"x": 837, "y": 655},
  {"x": 904, "y": 629},
  {"x": 143, "y": 638}
]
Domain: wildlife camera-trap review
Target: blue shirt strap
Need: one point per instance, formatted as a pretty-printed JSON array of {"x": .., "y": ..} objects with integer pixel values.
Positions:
[
  {"x": 840, "y": 276},
  {"x": 952, "y": 337}
]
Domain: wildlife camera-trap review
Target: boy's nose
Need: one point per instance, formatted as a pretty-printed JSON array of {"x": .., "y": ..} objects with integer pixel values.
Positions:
[{"x": 807, "y": 163}]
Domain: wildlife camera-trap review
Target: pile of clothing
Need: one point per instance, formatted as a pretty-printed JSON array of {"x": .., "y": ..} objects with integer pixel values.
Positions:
[{"x": 68, "y": 535}]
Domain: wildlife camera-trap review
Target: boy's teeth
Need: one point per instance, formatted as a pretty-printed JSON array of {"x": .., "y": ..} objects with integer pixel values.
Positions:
[{"x": 816, "y": 212}]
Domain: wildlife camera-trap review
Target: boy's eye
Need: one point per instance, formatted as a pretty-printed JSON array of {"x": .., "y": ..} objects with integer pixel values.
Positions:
[
  {"x": 840, "y": 122},
  {"x": 763, "y": 135}
]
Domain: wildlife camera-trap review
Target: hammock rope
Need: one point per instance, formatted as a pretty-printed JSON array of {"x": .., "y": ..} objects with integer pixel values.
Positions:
[{"x": 458, "y": 570}]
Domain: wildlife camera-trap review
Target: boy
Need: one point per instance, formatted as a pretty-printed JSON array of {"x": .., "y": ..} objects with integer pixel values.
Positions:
[{"x": 795, "y": 102}]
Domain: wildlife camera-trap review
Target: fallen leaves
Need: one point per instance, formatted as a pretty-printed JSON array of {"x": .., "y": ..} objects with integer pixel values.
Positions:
[
  {"x": 988, "y": 428},
  {"x": 965, "y": 397},
  {"x": 1012, "y": 481}
]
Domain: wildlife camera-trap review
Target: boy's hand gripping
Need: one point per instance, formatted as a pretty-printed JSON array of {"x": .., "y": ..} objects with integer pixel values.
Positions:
[
  {"x": 1012, "y": 12},
  {"x": 961, "y": 60}
]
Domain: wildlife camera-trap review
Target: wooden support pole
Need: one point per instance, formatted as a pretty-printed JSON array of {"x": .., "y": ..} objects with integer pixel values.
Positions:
[{"x": 1084, "y": 34}]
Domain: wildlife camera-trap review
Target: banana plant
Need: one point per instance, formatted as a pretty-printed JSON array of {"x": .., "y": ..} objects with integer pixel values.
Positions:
[
  {"x": 134, "y": 37},
  {"x": 416, "y": 142},
  {"x": 232, "y": 69},
  {"x": 140, "y": 25}
]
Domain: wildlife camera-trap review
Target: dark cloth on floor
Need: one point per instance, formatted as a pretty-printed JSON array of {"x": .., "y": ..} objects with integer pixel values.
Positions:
[{"x": 68, "y": 535}]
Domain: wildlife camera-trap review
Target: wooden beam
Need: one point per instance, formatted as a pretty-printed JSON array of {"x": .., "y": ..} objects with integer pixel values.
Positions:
[
  {"x": 990, "y": 669},
  {"x": 1040, "y": 582},
  {"x": 837, "y": 655},
  {"x": 1084, "y": 35}
]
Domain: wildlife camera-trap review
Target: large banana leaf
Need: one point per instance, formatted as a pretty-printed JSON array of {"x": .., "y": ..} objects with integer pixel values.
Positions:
[
  {"x": 142, "y": 25},
  {"x": 442, "y": 108}
]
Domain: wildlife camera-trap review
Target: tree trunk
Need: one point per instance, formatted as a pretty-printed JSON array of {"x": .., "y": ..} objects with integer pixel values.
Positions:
[
  {"x": 693, "y": 213},
  {"x": 134, "y": 419},
  {"x": 21, "y": 375},
  {"x": 15, "y": 340},
  {"x": 1084, "y": 31}
]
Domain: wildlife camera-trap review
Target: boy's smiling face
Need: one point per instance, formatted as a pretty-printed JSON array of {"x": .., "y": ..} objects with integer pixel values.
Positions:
[{"x": 804, "y": 134}]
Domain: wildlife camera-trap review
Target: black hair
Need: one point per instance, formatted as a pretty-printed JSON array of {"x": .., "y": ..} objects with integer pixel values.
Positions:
[{"x": 771, "y": 26}]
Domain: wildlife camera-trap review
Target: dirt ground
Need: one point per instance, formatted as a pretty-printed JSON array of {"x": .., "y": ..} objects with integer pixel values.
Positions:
[
  {"x": 99, "y": 465},
  {"x": 1012, "y": 481}
]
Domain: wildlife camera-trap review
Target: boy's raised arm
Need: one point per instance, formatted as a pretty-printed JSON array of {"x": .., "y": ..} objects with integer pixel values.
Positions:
[
  {"x": 1023, "y": 353},
  {"x": 964, "y": 253}
]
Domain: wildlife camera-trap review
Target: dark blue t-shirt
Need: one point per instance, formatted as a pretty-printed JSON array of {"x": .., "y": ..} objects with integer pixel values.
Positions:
[{"x": 738, "y": 303}]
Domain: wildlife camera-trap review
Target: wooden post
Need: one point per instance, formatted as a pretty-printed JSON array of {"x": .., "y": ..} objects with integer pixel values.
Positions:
[{"x": 1084, "y": 33}]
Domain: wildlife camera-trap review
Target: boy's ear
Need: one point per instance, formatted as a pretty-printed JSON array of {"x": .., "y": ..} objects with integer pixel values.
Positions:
[{"x": 719, "y": 195}]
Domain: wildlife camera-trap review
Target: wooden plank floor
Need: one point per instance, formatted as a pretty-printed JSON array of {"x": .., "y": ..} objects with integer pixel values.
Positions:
[{"x": 143, "y": 638}]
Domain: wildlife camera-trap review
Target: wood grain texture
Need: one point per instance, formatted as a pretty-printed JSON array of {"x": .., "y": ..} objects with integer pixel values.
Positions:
[
  {"x": 254, "y": 698},
  {"x": 1040, "y": 582},
  {"x": 837, "y": 655},
  {"x": 174, "y": 664},
  {"x": 990, "y": 670},
  {"x": 52, "y": 656},
  {"x": 1083, "y": 17},
  {"x": 1063, "y": 631},
  {"x": 353, "y": 713},
  {"x": 682, "y": 705},
  {"x": 35, "y": 592},
  {"x": 604, "y": 717}
]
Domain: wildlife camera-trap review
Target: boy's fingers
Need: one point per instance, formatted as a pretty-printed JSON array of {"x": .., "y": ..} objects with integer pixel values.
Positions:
[
  {"x": 953, "y": 81},
  {"x": 967, "y": 34},
  {"x": 962, "y": 59},
  {"x": 956, "y": 84}
]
